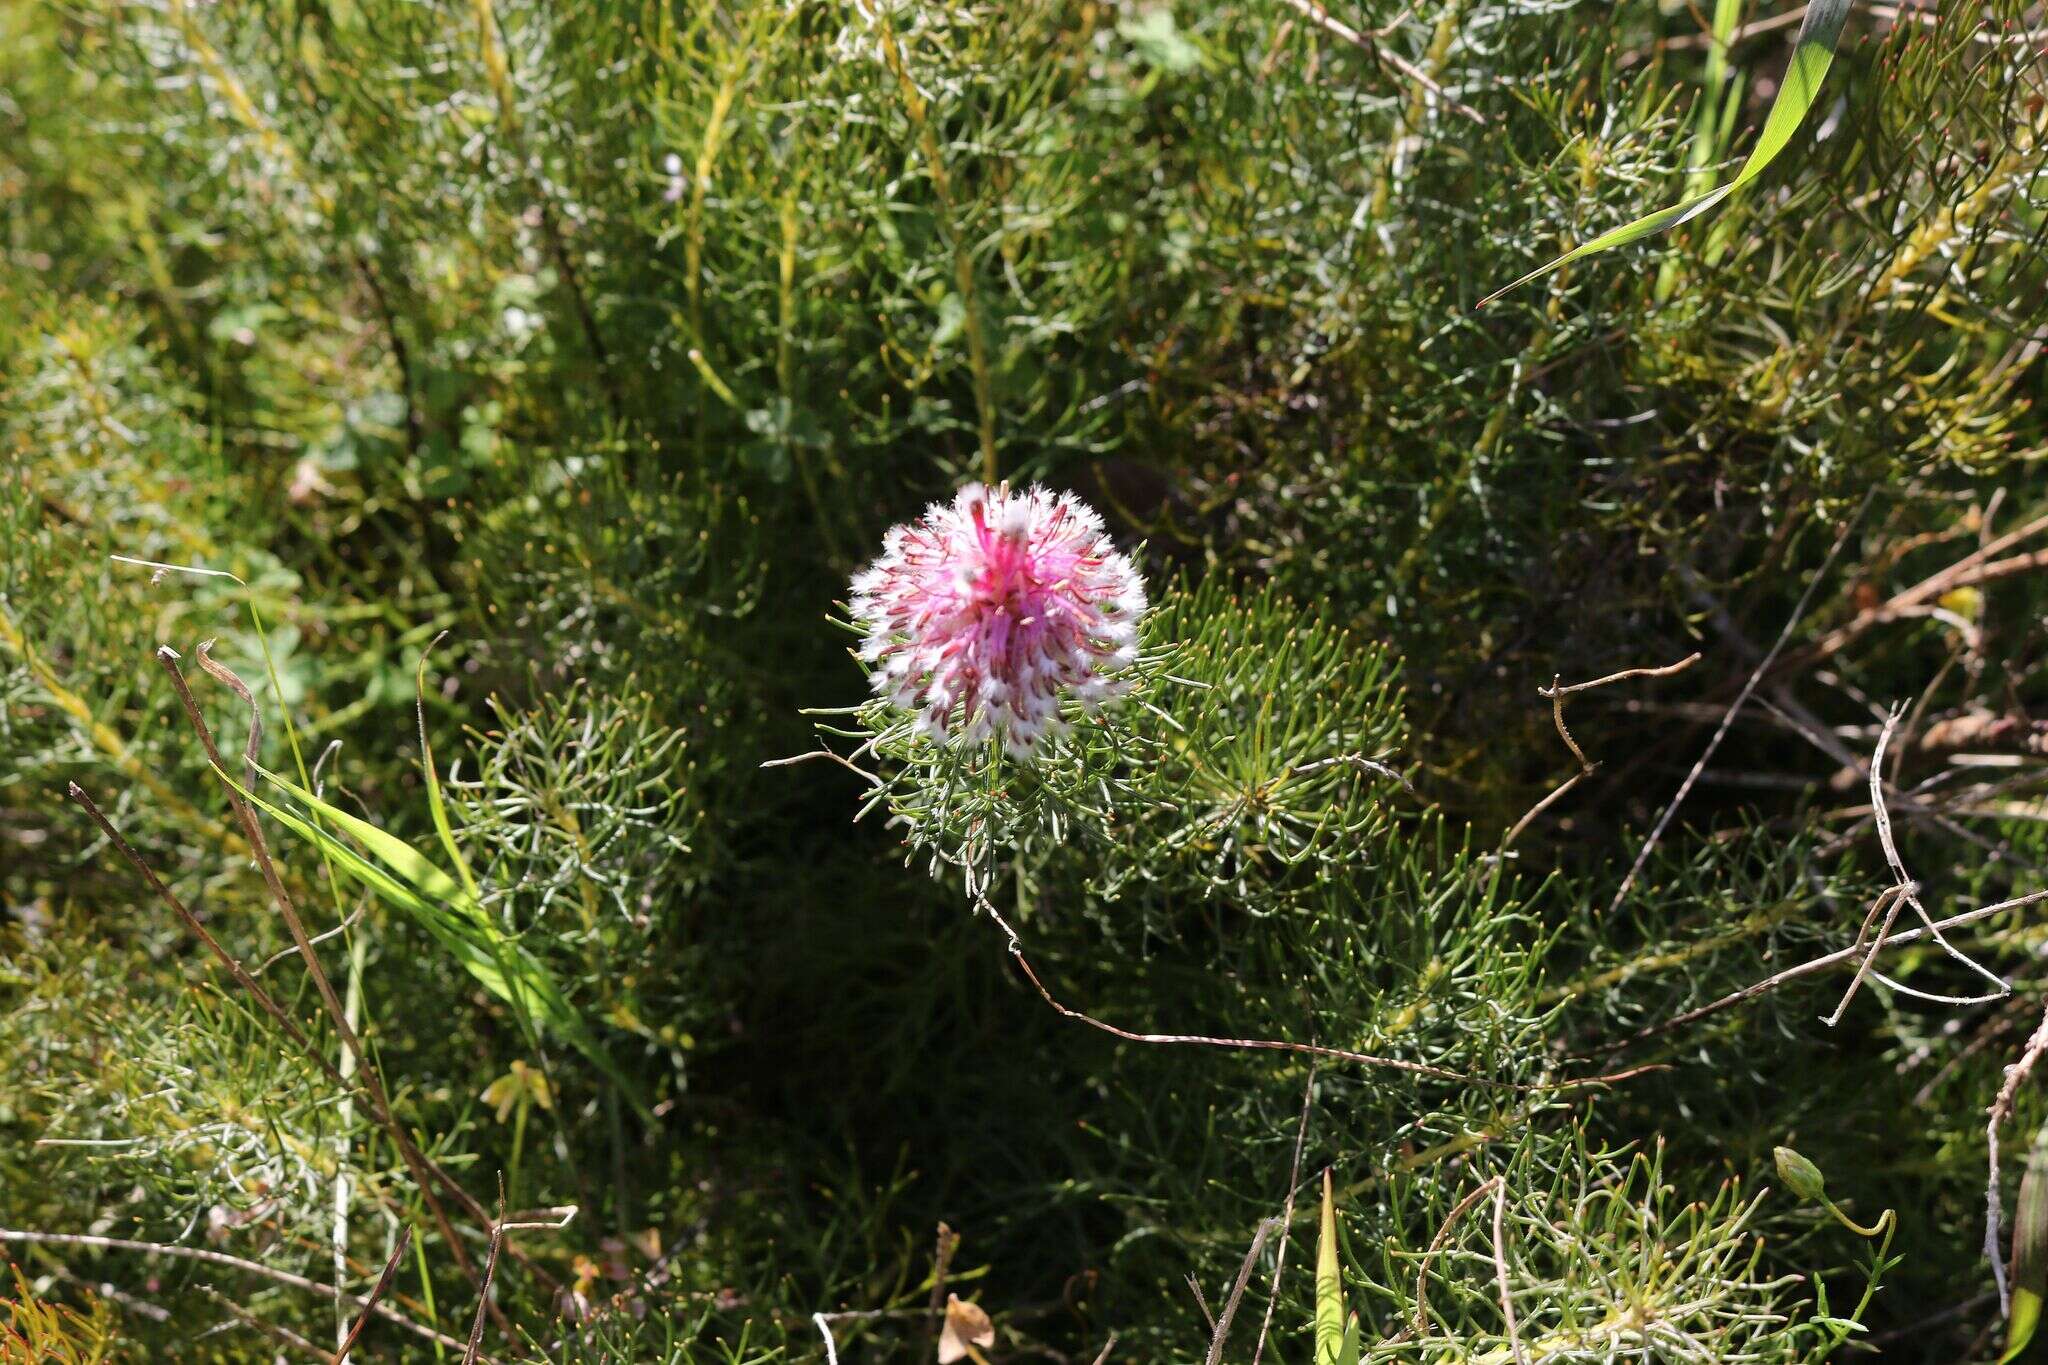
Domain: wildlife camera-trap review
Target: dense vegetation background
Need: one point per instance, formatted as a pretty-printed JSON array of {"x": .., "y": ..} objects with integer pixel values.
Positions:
[{"x": 557, "y": 363}]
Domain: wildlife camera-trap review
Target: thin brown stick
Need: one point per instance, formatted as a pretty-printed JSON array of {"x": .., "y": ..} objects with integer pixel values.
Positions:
[
  {"x": 373, "y": 1086},
  {"x": 1973, "y": 568},
  {"x": 1102, "y": 1356},
  {"x": 1556, "y": 693},
  {"x": 1556, "y": 795},
  {"x": 377, "y": 1291},
  {"x": 1301, "y": 1049},
  {"x": 1500, "y": 1272},
  {"x": 947, "y": 1242},
  {"x": 1819, "y": 964},
  {"x": 846, "y": 763},
  {"x": 252, "y": 752},
  {"x": 1308, "y": 1091},
  {"x": 560, "y": 1218},
  {"x": 234, "y": 967},
  {"x": 219, "y": 1258},
  {"x": 1660, "y": 671},
  {"x": 1244, "y": 1277},
  {"x": 483, "y": 1292},
  {"x": 1909, "y": 890},
  {"x": 1891, "y": 900},
  {"x": 275, "y": 1331},
  {"x": 1365, "y": 42},
  {"x": 1728, "y": 719},
  {"x": 1420, "y": 1324},
  {"x": 1202, "y": 1302},
  {"x": 243, "y": 977}
]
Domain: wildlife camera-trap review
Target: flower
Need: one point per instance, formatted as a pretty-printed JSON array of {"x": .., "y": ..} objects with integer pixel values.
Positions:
[{"x": 984, "y": 614}]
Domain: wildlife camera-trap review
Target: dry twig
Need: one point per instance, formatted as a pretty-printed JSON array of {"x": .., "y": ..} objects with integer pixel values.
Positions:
[
  {"x": 1283, "y": 1045},
  {"x": 1308, "y": 1091},
  {"x": 2001, "y": 1109},
  {"x": 1819, "y": 964},
  {"x": 377, "y": 1291},
  {"x": 552, "y": 1220},
  {"x": 1556, "y": 693},
  {"x": 1368, "y": 43},
  {"x": 221, "y": 1258},
  {"x": 1244, "y": 1276},
  {"x": 372, "y": 1085},
  {"x": 1721, "y": 732},
  {"x": 1500, "y": 1272},
  {"x": 1420, "y": 1324}
]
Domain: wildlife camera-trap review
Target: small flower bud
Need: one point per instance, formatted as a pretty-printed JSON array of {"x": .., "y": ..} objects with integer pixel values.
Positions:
[{"x": 1801, "y": 1176}]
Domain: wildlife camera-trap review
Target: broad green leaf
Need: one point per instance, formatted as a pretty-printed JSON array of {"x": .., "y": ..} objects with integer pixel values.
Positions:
[
  {"x": 1330, "y": 1333},
  {"x": 2029, "y": 1253},
  {"x": 1813, "y": 51},
  {"x": 435, "y": 805},
  {"x": 406, "y": 880},
  {"x": 394, "y": 853}
]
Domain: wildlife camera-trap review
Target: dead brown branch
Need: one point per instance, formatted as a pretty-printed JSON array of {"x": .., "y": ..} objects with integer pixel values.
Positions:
[
  {"x": 2001, "y": 1109},
  {"x": 1419, "y": 1325},
  {"x": 1556, "y": 693},
  {"x": 373, "y": 1087},
  {"x": 552, "y": 1220},
  {"x": 377, "y": 1292},
  {"x": 1300, "y": 1049},
  {"x": 1237, "y": 1288},
  {"x": 1979, "y": 566}
]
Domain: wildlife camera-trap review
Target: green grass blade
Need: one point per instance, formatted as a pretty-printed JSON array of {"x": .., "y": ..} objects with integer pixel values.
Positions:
[
  {"x": 397, "y": 856},
  {"x": 409, "y": 882},
  {"x": 435, "y": 804},
  {"x": 2029, "y": 1253},
  {"x": 1812, "y": 53}
]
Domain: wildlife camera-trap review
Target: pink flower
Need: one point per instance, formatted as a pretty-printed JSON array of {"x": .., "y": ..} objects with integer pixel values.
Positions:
[{"x": 983, "y": 615}]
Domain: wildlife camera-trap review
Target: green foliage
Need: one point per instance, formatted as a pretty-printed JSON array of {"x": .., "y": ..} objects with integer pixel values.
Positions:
[{"x": 602, "y": 343}]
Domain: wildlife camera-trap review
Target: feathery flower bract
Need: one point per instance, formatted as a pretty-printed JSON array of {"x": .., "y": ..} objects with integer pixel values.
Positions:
[{"x": 985, "y": 613}]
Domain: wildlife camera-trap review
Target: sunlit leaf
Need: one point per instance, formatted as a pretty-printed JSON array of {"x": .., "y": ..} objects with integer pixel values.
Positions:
[{"x": 1812, "y": 53}]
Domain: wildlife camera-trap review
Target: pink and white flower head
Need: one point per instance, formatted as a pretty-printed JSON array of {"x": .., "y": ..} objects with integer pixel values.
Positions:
[{"x": 985, "y": 613}]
